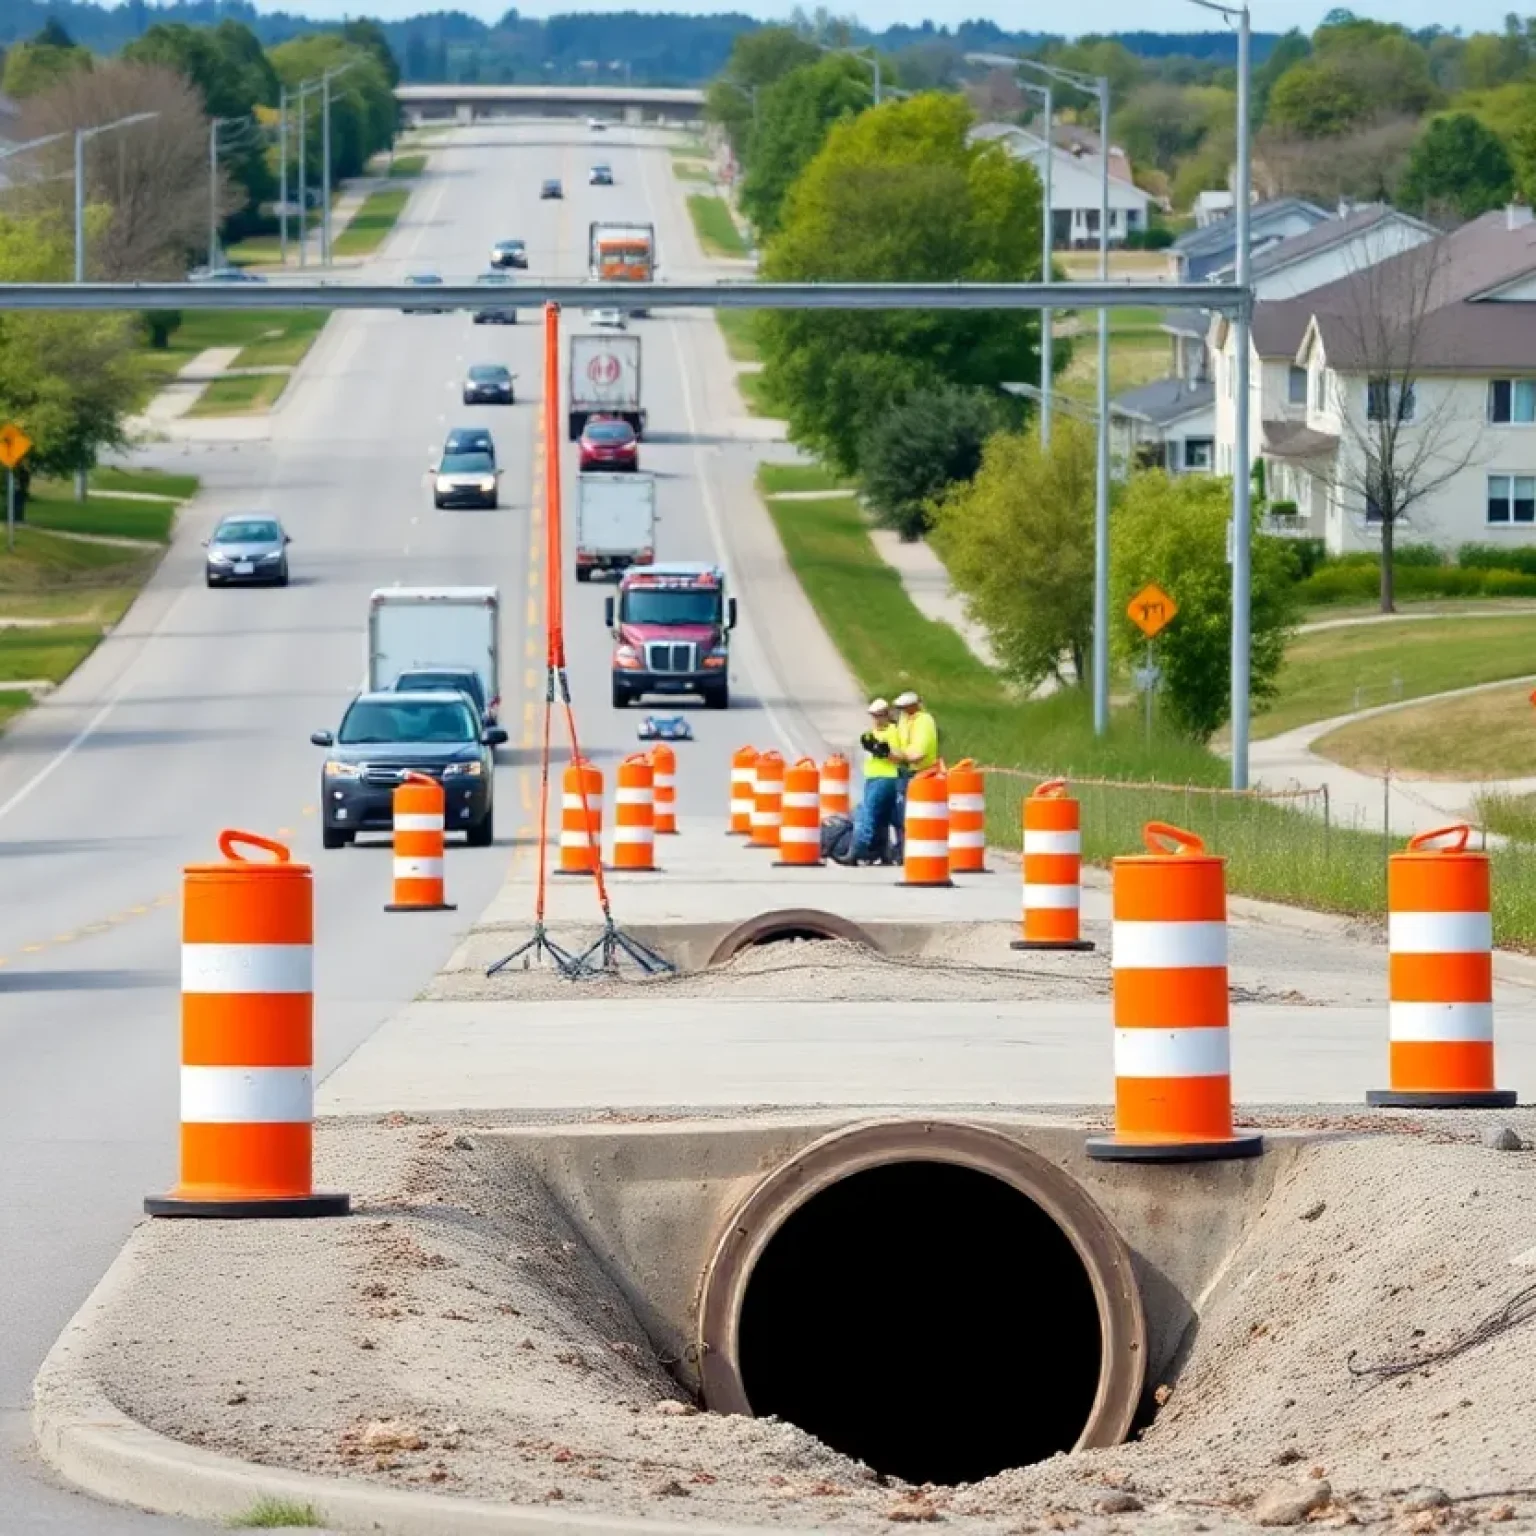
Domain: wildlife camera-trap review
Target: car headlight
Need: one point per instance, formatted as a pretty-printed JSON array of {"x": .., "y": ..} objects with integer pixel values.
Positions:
[
  {"x": 462, "y": 770},
  {"x": 488, "y": 484},
  {"x": 335, "y": 770},
  {"x": 276, "y": 555},
  {"x": 444, "y": 483},
  {"x": 215, "y": 559}
]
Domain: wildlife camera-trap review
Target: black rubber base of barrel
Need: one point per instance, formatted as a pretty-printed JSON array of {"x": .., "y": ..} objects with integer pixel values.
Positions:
[
  {"x": 411, "y": 906},
  {"x": 926, "y": 885},
  {"x": 785, "y": 864},
  {"x": 576, "y": 874},
  {"x": 287, "y": 1209},
  {"x": 982, "y": 871},
  {"x": 1078, "y": 944},
  {"x": 1494, "y": 1098},
  {"x": 1107, "y": 1149}
]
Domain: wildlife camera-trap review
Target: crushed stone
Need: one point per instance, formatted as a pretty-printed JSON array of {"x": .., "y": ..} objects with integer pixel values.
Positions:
[{"x": 1366, "y": 1334}]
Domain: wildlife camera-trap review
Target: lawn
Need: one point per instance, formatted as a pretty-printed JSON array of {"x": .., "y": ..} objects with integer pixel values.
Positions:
[
  {"x": 1138, "y": 354},
  {"x": 1512, "y": 816},
  {"x": 777, "y": 479},
  {"x": 1487, "y": 735},
  {"x": 739, "y": 327},
  {"x": 285, "y": 339},
  {"x": 144, "y": 482},
  {"x": 55, "y": 507},
  {"x": 51, "y": 654},
  {"x": 692, "y": 170},
  {"x": 12, "y": 703},
  {"x": 266, "y": 337},
  {"x": 408, "y": 165},
  {"x": 372, "y": 223},
  {"x": 1336, "y": 671},
  {"x": 716, "y": 229},
  {"x": 246, "y": 395}
]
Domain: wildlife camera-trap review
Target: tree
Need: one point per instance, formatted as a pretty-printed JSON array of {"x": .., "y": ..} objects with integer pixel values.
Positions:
[
  {"x": 363, "y": 108},
  {"x": 1365, "y": 165},
  {"x": 996, "y": 97},
  {"x": 757, "y": 59},
  {"x": 1159, "y": 125},
  {"x": 794, "y": 116},
  {"x": 1291, "y": 49},
  {"x": 1357, "y": 74},
  {"x": 1410, "y": 435},
  {"x": 899, "y": 193},
  {"x": 1458, "y": 165},
  {"x": 150, "y": 180},
  {"x": 928, "y": 442},
  {"x": 51, "y": 56},
  {"x": 365, "y": 33},
  {"x": 1172, "y": 530},
  {"x": 1018, "y": 543}
]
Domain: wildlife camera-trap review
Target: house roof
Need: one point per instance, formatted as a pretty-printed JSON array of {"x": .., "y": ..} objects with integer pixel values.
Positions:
[
  {"x": 1073, "y": 145},
  {"x": 1438, "y": 299},
  {"x": 1165, "y": 400},
  {"x": 1279, "y": 325},
  {"x": 1186, "y": 322},
  {"x": 1221, "y": 233},
  {"x": 1292, "y": 440},
  {"x": 1331, "y": 232}
]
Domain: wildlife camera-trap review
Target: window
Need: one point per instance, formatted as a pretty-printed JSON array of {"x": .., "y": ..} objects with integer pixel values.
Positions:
[
  {"x": 1197, "y": 452},
  {"x": 1512, "y": 402},
  {"x": 1091, "y": 218},
  {"x": 1512, "y": 499},
  {"x": 1319, "y": 390},
  {"x": 1382, "y": 395},
  {"x": 1372, "y": 509},
  {"x": 1296, "y": 386}
]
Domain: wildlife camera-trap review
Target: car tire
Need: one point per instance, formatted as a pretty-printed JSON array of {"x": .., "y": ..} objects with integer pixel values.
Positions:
[
  {"x": 437, "y": 501},
  {"x": 718, "y": 698},
  {"x": 622, "y": 697},
  {"x": 583, "y": 573},
  {"x": 282, "y": 577},
  {"x": 335, "y": 837},
  {"x": 483, "y": 833}
]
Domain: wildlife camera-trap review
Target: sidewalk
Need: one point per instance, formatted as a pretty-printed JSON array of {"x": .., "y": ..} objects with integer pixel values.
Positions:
[{"x": 927, "y": 583}]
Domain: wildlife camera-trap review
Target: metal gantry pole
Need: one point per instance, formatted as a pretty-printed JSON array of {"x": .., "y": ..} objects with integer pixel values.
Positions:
[
  {"x": 303, "y": 204},
  {"x": 1101, "y": 489},
  {"x": 282, "y": 174},
  {"x": 213, "y": 192},
  {"x": 1242, "y": 484},
  {"x": 80, "y": 135},
  {"x": 1047, "y": 246},
  {"x": 325, "y": 168}
]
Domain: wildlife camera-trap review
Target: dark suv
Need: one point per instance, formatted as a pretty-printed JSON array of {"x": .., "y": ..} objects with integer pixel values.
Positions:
[{"x": 384, "y": 736}]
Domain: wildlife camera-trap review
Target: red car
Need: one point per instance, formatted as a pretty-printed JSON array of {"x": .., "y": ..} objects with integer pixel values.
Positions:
[{"x": 609, "y": 443}]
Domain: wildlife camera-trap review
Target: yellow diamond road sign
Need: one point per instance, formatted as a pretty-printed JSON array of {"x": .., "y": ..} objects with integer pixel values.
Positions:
[
  {"x": 14, "y": 445},
  {"x": 1151, "y": 609}
]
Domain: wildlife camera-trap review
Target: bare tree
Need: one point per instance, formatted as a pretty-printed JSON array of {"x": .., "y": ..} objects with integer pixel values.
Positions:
[
  {"x": 151, "y": 179},
  {"x": 996, "y": 96},
  {"x": 1413, "y": 433},
  {"x": 1364, "y": 165}
]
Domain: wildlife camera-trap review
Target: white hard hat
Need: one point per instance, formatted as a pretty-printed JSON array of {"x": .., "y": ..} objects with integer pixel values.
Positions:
[
  {"x": 879, "y": 707},
  {"x": 907, "y": 700}
]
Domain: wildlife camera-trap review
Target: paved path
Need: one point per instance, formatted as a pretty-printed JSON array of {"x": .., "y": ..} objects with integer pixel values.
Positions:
[{"x": 927, "y": 584}]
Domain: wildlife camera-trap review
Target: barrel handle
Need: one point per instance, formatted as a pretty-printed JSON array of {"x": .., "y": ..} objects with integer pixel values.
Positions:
[
  {"x": 1163, "y": 838},
  {"x": 1461, "y": 832},
  {"x": 412, "y": 777},
  {"x": 965, "y": 765},
  {"x": 807, "y": 762},
  {"x": 1051, "y": 789},
  {"x": 230, "y": 837}
]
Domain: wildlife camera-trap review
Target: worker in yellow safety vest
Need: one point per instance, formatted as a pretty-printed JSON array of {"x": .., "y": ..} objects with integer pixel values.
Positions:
[
  {"x": 917, "y": 748},
  {"x": 875, "y": 820}
]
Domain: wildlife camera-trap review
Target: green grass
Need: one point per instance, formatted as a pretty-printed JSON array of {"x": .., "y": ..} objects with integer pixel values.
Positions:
[
  {"x": 1336, "y": 671},
  {"x": 284, "y": 345},
  {"x": 372, "y": 223},
  {"x": 51, "y": 653},
  {"x": 775, "y": 479},
  {"x": 715, "y": 227},
  {"x": 277, "y": 1514},
  {"x": 44, "y": 563},
  {"x": 55, "y": 507},
  {"x": 1273, "y": 851},
  {"x": 692, "y": 149},
  {"x": 692, "y": 170},
  {"x": 265, "y": 336},
  {"x": 408, "y": 165},
  {"x": 145, "y": 482},
  {"x": 757, "y": 396},
  {"x": 11, "y": 704},
  {"x": 248, "y": 395},
  {"x": 1512, "y": 816},
  {"x": 739, "y": 327}
]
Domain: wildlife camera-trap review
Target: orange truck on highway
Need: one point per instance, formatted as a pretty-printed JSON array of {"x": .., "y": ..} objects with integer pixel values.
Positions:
[{"x": 621, "y": 253}]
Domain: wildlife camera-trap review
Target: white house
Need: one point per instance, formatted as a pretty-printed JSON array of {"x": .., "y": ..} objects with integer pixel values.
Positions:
[
  {"x": 1167, "y": 424},
  {"x": 1211, "y": 205},
  {"x": 1199, "y": 252},
  {"x": 1444, "y": 335},
  {"x": 1076, "y": 185}
]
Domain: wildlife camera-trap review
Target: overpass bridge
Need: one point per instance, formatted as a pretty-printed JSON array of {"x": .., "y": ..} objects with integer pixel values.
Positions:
[{"x": 609, "y": 103}]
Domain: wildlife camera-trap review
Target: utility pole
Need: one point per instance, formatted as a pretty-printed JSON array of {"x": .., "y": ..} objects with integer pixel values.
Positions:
[
  {"x": 213, "y": 191},
  {"x": 1101, "y": 495},
  {"x": 282, "y": 174},
  {"x": 325, "y": 169},
  {"x": 1047, "y": 345},
  {"x": 303, "y": 202}
]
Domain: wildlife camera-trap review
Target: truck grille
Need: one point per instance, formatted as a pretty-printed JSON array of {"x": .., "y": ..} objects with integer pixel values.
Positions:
[
  {"x": 672, "y": 656},
  {"x": 394, "y": 773}
]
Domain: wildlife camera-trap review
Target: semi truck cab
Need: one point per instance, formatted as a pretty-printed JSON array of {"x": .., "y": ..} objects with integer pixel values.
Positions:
[{"x": 671, "y": 628}]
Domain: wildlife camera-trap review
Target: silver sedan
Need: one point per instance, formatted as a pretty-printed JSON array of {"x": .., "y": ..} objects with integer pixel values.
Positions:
[{"x": 250, "y": 549}]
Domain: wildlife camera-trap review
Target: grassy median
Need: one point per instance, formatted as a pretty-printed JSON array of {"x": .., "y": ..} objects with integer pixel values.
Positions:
[
  {"x": 713, "y": 224},
  {"x": 373, "y": 223}
]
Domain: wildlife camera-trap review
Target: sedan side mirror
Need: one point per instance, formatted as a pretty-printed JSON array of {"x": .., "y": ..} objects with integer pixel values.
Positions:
[
  {"x": 730, "y": 613},
  {"x": 287, "y": 538},
  {"x": 322, "y": 738},
  {"x": 494, "y": 736},
  {"x": 205, "y": 543},
  {"x": 608, "y": 612}
]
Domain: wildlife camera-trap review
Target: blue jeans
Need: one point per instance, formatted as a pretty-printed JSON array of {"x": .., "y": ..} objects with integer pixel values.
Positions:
[
  {"x": 899, "y": 820},
  {"x": 876, "y": 817}
]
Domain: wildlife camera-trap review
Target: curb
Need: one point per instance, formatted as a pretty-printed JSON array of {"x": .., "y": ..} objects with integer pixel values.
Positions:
[{"x": 99, "y": 1449}]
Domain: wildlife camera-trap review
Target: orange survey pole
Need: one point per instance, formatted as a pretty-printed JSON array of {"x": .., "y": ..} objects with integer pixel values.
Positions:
[
  {"x": 419, "y": 843},
  {"x": 1440, "y": 979},
  {"x": 1173, "y": 1083},
  {"x": 247, "y": 1039}
]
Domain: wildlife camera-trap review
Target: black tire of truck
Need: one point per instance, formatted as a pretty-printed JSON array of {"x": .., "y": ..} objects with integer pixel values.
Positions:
[{"x": 718, "y": 698}]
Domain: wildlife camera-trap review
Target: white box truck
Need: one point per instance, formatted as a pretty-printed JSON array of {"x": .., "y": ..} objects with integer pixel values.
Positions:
[
  {"x": 425, "y": 629},
  {"x": 604, "y": 380},
  {"x": 615, "y": 522}
]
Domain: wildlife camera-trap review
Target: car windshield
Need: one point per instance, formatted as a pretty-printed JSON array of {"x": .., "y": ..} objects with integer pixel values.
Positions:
[
  {"x": 661, "y": 605},
  {"x": 247, "y": 531},
  {"x": 610, "y": 432},
  {"x": 423, "y": 720},
  {"x": 509, "y": 245},
  {"x": 468, "y": 441},
  {"x": 467, "y": 464},
  {"x": 488, "y": 374},
  {"x": 435, "y": 682}
]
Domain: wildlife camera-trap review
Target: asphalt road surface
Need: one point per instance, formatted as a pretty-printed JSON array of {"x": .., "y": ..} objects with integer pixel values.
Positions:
[{"x": 195, "y": 715}]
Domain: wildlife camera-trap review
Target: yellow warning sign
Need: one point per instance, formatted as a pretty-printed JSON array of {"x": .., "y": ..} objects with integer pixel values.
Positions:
[
  {"x": 1151, "y": 610},
  {"x": 15, "y": 445}
]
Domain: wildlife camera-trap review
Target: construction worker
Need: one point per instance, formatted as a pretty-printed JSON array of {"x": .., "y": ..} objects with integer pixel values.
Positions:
[
  {"x": 875, "y": 819},
  {"x": 917, "y": 748}
]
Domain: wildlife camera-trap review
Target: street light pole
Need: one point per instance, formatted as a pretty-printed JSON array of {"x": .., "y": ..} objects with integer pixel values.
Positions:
[
  {"x": 325, "y": 169},
  {"x": 1047, "y": 344},
  {"x": 80, "y": 137},
  {"x": 213, "y": 191},
  {"x": 1242, "y": 469},
  {"x": 282, "y": 174}
]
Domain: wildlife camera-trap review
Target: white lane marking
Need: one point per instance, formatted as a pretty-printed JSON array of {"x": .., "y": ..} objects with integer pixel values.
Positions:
[{"x": 49, "y": 768}]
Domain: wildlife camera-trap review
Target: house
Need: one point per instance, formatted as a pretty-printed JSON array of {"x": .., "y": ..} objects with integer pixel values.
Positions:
[
  {"x": 1201, "y": 252},
  {"x": 1167, "y": 424},
  {"x": 1211, "y": 206},
  {"x": 1437, "y": 344},
  {"x": 1076, "y": 183}
]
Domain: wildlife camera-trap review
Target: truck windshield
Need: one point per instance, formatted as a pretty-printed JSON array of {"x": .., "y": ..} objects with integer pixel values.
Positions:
[
  {"x": 671, "y": 605},
  {"x": 415, "y": 720}
]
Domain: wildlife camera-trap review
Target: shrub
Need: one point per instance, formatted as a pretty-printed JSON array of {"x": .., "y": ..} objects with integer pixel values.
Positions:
[
  {"x": 1424, "y": 556},
  {"x": 1498, "y": 557},
  {"x": 1307, "y": 556}
]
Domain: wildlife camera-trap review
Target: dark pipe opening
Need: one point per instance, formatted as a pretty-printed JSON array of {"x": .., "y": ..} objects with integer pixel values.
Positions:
[
  {"x": 790, "y": 923},
  {"x": 926, "y": 1318},
  {"x": 788, "y": 935}
]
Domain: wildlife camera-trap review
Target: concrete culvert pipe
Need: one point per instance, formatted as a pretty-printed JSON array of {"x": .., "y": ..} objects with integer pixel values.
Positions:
[
  {"x": 931, "y": 1298},
  {"x": 783, "y": 926}
]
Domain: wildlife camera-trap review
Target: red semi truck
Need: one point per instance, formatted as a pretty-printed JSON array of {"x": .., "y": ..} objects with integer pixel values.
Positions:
[{"x": 671, "y": 627}]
